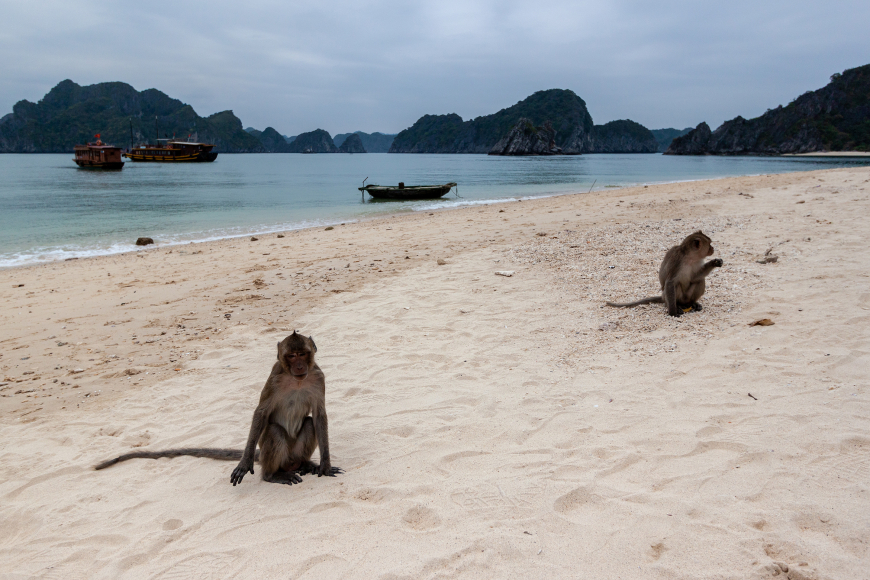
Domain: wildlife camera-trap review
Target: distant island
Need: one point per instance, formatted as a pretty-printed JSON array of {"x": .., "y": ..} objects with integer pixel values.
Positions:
[
  {"x": 551, "y": 122},
  {"x": 372, "y": 142},
  {"x": 833, "y": 118},
  {"x": 666, "y": 136},
  {"x": 561, "y": 110},
  {"x": 71, "y": 114}
]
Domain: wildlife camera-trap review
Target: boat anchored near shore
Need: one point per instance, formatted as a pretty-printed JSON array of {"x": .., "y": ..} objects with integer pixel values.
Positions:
[{"x": 408, "y": 193}]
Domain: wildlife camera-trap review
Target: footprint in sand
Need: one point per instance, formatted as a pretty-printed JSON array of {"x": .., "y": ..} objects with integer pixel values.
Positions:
[
  {"x": 421, "y": 518},
  {"x": 656, "y": 551},
  {"x": 582, "y": 497},
  {"x": 173, "y": 524}
]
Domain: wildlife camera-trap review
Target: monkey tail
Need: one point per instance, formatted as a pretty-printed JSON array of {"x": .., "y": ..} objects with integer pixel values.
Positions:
[
  {"x": 211, "y": 453},
  {"x": 650, "y": 300}
]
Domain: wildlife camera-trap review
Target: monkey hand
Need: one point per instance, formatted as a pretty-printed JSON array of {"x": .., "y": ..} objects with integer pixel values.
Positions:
[
  {"x": 717, "y": 263},
  {"x": 676, "y": 313},
  {"x": 240, "y": 471},
  {"x": 328, "y": 470}
]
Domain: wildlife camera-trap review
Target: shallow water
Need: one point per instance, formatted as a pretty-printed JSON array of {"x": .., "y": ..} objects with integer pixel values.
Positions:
[{"x": 52, "y": 210}]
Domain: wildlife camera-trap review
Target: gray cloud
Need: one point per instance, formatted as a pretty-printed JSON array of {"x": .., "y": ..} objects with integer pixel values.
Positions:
[{"x": 379, "y": 65}]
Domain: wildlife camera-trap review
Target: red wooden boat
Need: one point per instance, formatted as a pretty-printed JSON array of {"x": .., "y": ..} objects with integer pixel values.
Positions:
[{"x": 98, "y": 155}]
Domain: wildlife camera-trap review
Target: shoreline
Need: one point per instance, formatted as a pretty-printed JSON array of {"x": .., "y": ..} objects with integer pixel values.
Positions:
[
  {"x": 131, "y": 248},
  {"x": 853, "y": 154},
  {"x": 485, "y": 423},
  {"x": 52, "y": 241}
]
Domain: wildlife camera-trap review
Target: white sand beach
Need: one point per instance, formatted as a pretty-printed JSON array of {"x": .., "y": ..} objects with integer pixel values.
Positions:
[{"x": 488, "y": 426}]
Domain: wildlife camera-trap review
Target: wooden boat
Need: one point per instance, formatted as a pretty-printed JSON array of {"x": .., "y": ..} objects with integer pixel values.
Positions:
[
  {"x": 173, "y": 152},
  {"x": 412, "y": 192},
  {"x": 98, "y": 155}
]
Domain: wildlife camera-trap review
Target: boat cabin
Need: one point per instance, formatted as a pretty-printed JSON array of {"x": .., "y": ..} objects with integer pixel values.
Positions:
[{"x": 98, "y": 155}]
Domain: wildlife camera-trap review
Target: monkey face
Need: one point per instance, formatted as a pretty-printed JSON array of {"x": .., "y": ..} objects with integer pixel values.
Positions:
[
  {"x": 699, "y": 244},
  {"x": 296, "y": 354},
  {"x": 298, "y": 363}
]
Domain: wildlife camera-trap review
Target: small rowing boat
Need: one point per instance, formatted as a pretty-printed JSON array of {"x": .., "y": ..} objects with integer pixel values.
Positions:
[{"x": 407, "y": 193}]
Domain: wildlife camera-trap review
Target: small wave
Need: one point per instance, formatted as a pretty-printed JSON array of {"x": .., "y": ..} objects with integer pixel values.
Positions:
[
  {"x": 454, "y": 203},
  {"x": 47, "y": 254}
]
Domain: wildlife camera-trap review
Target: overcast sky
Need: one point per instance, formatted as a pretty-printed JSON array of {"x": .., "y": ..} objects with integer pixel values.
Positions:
[{"x": 375, "y": 65}]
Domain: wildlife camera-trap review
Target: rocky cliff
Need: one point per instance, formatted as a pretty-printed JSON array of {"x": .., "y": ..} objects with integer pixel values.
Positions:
[
  {"x": 566, "y": 113},
  {"x": 317, "y": 141},
  {"x": 353, "y": 144},
  {"x": 833, "y": 118},
  {"x": 665, "y": 136},
  {"x": 623, "y": 136},
  {"x": 614, "y": 137},
  {"x": 272, "y": 140},
  {"x": 71, "y": 114},
  {"x": 372, "y": 142},
  {"x": 526, "y": 139}
]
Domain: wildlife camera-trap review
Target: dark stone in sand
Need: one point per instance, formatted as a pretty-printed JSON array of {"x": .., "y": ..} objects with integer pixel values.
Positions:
[
  {"x": 253, "y": 239},
  {"x": 144, "y": 241}
]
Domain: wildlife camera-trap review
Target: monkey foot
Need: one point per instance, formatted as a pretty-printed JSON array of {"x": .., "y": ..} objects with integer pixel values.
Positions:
[
  {"x": 285, "y": 477},
  {"x": 331, "y": 472},
  {"x": 307, "y": 467}
]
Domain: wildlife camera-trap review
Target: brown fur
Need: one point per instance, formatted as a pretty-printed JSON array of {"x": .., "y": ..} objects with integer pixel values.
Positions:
[
  {"x": 682, "y": 275},
  {"x": 286, "y": 434}
]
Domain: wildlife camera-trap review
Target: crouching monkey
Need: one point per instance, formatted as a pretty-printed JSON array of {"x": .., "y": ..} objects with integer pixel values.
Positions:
[
  {"x": 682, "y": 275},
  {"x": 289, "y": 422}
]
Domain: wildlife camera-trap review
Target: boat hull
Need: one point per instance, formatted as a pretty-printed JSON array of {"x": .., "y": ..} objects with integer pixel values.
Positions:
[
  {"x": 85, "y": 164},
  {"x": 202, "y": 157},
  {"x": 407, "y": 193}
]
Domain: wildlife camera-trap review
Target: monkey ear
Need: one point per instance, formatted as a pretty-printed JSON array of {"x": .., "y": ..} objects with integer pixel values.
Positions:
[
  {"x": 697, "y": 243},
  {"x": 312, "y": 344}
]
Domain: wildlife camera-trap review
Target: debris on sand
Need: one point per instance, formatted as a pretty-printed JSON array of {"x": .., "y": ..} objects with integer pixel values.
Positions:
[{"x": 768, "y": 258}]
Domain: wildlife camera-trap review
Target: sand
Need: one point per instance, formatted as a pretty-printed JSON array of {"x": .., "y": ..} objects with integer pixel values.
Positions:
[{"x": 489, "y": 426}]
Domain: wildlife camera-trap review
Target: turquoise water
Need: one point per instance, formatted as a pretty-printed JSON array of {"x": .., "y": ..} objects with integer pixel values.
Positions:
[{"x": 52, "y": 210}]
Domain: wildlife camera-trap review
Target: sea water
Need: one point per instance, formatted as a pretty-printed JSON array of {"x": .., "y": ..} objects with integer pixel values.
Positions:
[{"x": 52, "y": 210}]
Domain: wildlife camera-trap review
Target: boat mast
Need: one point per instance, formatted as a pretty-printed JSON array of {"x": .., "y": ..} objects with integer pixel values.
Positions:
[
  {"x": 157, "y": 130},
  {"x": 131, "y": 135}
]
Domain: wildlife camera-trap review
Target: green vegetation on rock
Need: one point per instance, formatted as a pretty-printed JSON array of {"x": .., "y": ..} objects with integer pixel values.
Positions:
[
  {"x": 372, "y": 142},
  {"x": 665, "y": 136},
  {"x": 353, "y": 144},
  {"x": 70, "y": 115},
  {"x": 623, "y": 136},
  {"x": 317, "y": 141},
  {"x": 562, "y": 109},
  {"x": 833, "y": 118}
]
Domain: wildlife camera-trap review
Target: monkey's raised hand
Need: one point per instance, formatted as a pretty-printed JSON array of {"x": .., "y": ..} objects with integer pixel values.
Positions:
[
  {"x": 240, "y": 471},
  {"x": 717, "y": 263}
]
